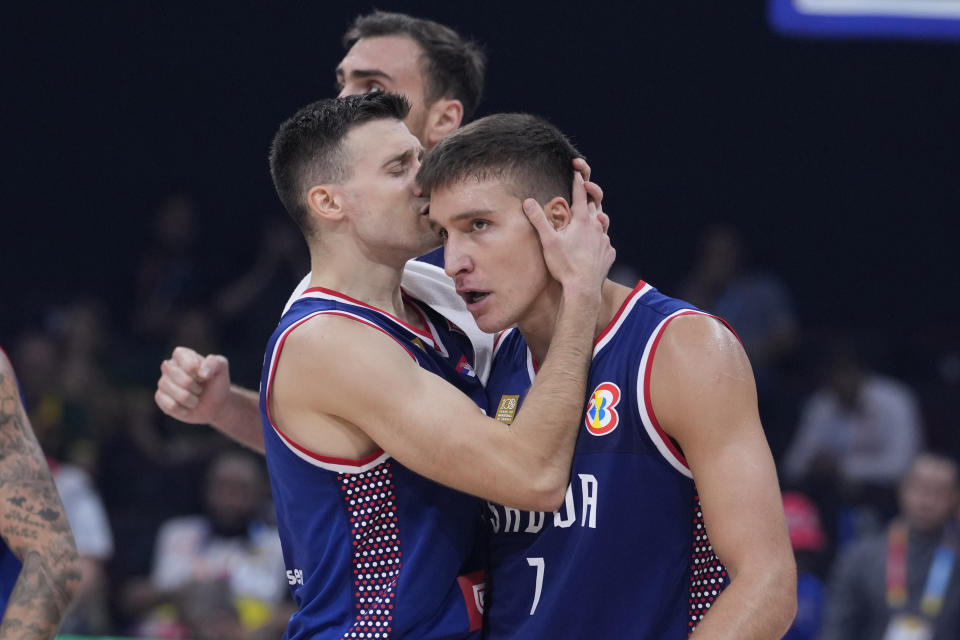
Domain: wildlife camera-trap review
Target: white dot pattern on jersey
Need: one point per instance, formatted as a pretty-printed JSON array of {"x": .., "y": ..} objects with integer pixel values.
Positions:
[
  {"x": 375, "y": 532},
  {"x": 708, "y": 576}
]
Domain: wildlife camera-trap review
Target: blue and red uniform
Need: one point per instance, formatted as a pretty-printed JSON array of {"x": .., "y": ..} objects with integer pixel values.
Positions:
[
  {"x": 627, "y": 555},
  {"x": 10, "y": 565},
  {"x": 372, "y": 549}
]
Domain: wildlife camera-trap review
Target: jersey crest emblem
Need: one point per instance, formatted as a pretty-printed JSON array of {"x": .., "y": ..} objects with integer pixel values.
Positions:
[
  {"x": 507, "y": 408},
  {"x": 602, "y": 416},
  {"x": 464, "y": 367}
]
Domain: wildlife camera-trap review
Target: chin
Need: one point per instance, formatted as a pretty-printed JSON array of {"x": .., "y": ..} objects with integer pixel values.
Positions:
[{"x": 491, "y": 324}]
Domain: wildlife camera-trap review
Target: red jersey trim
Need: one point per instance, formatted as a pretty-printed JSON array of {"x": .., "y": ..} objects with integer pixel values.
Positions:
[
  {"x": 498, "y": 339},
  {"x": 623, "y": 307},
  {"x": 646, "y": 386},
  {"x": 425, "y": 320},
  {"x": 421, "y": 332},
  {"x": 473, "y": 586},
  {"x": 648, "y": 368}
]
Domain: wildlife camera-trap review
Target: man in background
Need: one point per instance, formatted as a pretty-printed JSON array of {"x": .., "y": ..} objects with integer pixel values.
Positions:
[
  {"x": 442, "y": 75},
  {"x": 904, "y": 581}
]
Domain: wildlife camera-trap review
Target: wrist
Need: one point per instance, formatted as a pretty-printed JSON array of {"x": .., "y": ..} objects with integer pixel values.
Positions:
[
  {"x": 226, "y": 412},
  {"x": 582, "y": 293}
]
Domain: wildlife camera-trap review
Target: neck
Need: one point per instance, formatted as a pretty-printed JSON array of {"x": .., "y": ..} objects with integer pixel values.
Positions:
[
  {"x": 538, "y": 326},
  {"x": 347, "y": 271}
]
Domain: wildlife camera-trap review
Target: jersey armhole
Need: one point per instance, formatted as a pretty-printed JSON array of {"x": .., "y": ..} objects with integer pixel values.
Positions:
[
  {"x": 330, "y": 463},
  {"x": 666, "y": 445}
]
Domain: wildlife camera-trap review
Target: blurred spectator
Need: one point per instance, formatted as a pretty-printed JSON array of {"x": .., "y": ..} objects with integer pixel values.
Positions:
[
  {"x": 66, "y": 388},
  {"x": 229, "y": 549},
  {"x": 756, "y": 304},
  {"x": 89, "y": 613},
  {"x": 248, "y": 306},
  {"x": 169, "y": 267},
  {"x": 39, "y": 362},
  {"x": 758, "y": 307},
  {"x": 904, "y": 583},
  {"x": 857, "y": 436},
  {"x": 809, "y": 543},
  {"x": 282, "y": 254}
]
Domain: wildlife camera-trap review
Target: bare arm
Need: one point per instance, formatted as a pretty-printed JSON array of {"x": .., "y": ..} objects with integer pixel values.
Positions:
[
  {"x": 426, "y": 423},
  {"x": 197, "y": 389},
  {"x": 339, "y": 377},
  {"x": 33, "y": 525},
  {"x": 704, "y": 395}
]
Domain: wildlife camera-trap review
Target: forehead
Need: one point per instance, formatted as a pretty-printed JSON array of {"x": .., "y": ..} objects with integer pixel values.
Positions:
[
  {"x": 491, "y": 196},
  {"x": 396, "y": 55},
  {"x": 935, "y": 470},
  {"x": 373, "y": 142}
]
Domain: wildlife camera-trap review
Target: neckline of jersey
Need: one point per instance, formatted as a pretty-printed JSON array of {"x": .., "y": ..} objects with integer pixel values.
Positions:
[{"x": 421, "y": 332}]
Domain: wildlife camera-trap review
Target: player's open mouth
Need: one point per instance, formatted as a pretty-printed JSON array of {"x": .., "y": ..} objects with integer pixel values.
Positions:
[{"x": 473, "y": 297}]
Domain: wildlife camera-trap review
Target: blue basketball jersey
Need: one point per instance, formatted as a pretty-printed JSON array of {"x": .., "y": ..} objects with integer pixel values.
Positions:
[
  {"x": 626, "y": 556},
  {"x": 372, "y": 549},
  {"x": 10, "y": 565}
]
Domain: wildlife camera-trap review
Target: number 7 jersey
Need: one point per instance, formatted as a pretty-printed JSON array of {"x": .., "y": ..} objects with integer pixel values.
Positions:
[{"x": 626, "y": 555}]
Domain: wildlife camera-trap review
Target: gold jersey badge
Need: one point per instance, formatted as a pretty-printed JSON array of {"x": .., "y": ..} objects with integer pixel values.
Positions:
[{"x": 507, "y": 409}]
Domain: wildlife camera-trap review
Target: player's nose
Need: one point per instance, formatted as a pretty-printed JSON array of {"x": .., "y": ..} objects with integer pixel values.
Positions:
[{"x": 455, "y": 260}]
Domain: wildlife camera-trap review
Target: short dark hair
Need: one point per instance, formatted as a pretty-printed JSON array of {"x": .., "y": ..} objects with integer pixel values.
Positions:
[
  {"x": 308, "y": 147},
  {"x": 454, "y": 67},
  {"x": 526, "y": 151}
]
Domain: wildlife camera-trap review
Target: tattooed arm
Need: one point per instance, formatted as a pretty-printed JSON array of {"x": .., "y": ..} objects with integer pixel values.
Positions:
[{"x": 32, "y": 524}]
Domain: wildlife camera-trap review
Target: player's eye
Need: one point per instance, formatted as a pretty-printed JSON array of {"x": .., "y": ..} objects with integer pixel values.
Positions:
[
  {"x": 374, "y": 87},
  {"x": 479, "y": 225}
]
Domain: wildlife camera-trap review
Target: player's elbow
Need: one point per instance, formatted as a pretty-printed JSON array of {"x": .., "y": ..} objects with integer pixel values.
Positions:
[
  {"x": 533, "y": 481},
  {"x": 774, "y": 584},
  {"x": 783, "y": 604},
  {"x": 547, "y": 491}
]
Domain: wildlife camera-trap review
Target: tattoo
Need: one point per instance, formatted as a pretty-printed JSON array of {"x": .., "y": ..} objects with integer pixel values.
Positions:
[
  {"x": 37, "y": 602},
  {"x": 32, "y": 524}
]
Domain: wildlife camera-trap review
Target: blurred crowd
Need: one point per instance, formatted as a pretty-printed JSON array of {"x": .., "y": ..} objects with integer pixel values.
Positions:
[{"x": 174, "y": 523}]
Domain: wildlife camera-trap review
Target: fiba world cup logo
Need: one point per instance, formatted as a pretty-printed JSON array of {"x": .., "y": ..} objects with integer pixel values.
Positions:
[{"x": 602, "y": 417}]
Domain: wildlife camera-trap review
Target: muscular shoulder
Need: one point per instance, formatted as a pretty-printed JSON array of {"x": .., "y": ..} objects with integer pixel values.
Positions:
[
  {"x": 340, "y": 341},
  {"x": 330, "y": 360},
  {"x": 700, "y": 373},
  {"x": 700, "y": 348}
]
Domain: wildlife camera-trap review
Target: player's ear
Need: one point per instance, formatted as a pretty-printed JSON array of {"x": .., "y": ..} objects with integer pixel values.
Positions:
[
  {"x": 558, "y": 212},
  {"x": 325, "y": 202},
  {"x": 443, "y": 117}
]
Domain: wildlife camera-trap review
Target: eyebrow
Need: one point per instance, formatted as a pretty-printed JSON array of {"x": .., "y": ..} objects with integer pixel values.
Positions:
[
  {"x": 363, "y": 73},
  {"x": 472, "y": 213},
  {"x": 404, "y": 157}
]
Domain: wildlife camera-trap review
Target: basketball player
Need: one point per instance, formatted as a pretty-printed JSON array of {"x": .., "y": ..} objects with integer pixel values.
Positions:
[
  {"x": 671, "y": 415},
  {"x": 38, "y": 557},
  {"x": 442, "y": 75},
  {"x": 365, "y": 390}
]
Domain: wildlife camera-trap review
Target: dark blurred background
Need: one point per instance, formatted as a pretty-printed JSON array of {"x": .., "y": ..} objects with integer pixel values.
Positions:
[
  {"x": 137, "y": 210},
  {"x": 837, "y": 158}
]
